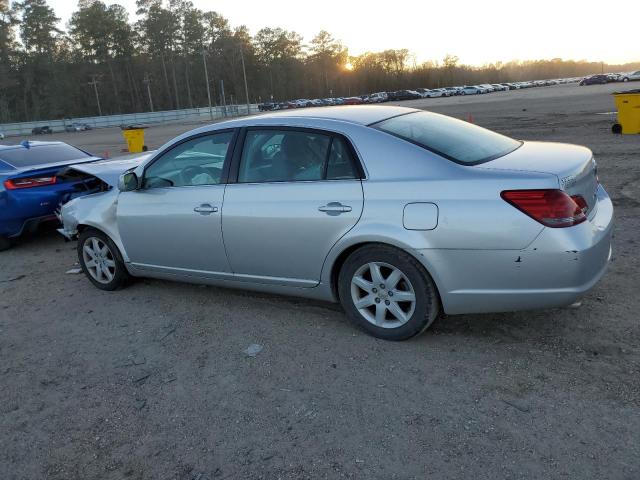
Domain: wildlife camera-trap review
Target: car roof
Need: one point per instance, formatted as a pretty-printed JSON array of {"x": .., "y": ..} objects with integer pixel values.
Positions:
[{"x": 358, "y": 114}]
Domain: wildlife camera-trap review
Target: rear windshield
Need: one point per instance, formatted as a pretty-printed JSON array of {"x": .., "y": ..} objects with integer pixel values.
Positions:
[
  {"x": 460, "y": 141},
  {"x": 41, "y": 154}
]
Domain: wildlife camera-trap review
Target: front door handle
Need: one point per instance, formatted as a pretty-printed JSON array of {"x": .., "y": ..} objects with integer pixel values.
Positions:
[
  {"x": 205, "y": 209},
  {"x": 334, "y": 208}
]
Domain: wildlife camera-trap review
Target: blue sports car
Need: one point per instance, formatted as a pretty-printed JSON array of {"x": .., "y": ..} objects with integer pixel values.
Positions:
[{"x": 33, "y": 184}]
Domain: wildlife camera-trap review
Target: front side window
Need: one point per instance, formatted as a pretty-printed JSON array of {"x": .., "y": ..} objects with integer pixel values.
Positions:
[
  {"x": 291, "y": 155},
  {"x": 198, "y": 161},
  {"x": 457, "y": 140}
]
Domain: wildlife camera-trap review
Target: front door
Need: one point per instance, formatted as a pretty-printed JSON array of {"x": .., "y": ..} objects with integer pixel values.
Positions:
[
  {"x": 172, "y": 223},
  {"x": 297, "y": 193}
]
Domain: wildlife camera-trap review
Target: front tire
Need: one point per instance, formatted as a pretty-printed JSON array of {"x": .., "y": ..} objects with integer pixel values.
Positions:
[
  {"x": 387, "y": 293},
  {"x": 101, "y": 260}
]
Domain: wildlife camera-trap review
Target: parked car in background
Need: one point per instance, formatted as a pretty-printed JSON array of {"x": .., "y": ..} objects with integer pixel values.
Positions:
[
  {"x": 45, "y": 129},
  {"x": 499, "y": 87},
  {"x": 631, "y": 76},
  {"x": 436, "y": 92},
  {"x": 471, "y": 90},
  {"x": 352, "y": 101},
  {"x": 1, "y": 136},
  {"x": 594, "y": 80},
  {"x": 77, "y": 127},
  {"x": 31, "y": 188},
  {"x": 453, "y": 90},
  {"x": 267, "y": 106},
  {"x": 389, "y": 211},
  {"x": 428, "y": 93},
  {"x": 378, "y": 97},
  {"x": 406, "y": 95}
]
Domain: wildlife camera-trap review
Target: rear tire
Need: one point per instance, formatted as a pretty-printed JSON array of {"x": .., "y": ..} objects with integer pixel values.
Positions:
[
  {"x": 387, "y": 293},
  {"x": 101, "y": 260}
]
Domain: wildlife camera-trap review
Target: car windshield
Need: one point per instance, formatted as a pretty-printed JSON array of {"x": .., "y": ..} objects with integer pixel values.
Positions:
[
  {"x": 457, "y": 140},
  {"x": 41, "y": 154}
]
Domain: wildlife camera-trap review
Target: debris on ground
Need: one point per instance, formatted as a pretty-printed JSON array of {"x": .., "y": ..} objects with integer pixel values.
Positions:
[
  {"x": 19, "y": 277},
  {"x": 253, "y": 350}
]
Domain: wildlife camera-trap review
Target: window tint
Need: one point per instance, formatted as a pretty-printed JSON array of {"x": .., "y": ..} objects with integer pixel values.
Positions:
[
  {"x": 41, "y": 155},
  {"x": 195, "y": 162},
  {"x": 455, "y": 139},
  {"x": 341, "y": 164},
  {"x": 283, "y": 156}
]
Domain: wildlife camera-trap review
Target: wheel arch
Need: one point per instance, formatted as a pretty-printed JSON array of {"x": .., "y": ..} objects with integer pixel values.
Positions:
[
  {"x": 114, "y": 238},
  {"x": 344, "y": 253}
]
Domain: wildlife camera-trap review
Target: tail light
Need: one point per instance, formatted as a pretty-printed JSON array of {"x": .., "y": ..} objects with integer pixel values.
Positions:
[
  {"x": 17, "y": 183},
  {"x": 552, "y": 208}
]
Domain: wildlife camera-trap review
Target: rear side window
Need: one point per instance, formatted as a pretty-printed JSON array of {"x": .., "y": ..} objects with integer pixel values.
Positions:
[
  {"x": 41, "y": 155},
  {"x": 460, "y": 141},
  {"x": 294, "y": 155},
  {"x": 341, "y": 165}
]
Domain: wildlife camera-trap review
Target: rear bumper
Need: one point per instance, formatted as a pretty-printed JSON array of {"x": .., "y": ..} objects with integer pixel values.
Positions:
[{"x": 555, "y": 270}]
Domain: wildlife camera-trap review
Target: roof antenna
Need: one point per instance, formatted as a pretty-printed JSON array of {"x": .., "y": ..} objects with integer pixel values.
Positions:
[{"x": 25, "y": 144}]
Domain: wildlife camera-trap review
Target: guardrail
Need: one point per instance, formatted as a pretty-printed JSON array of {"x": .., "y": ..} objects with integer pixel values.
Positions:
[{"x": 167, "y": 116}]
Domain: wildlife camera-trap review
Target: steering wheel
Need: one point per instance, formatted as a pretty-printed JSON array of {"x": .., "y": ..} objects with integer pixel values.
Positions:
[{"x": 190, "y": 172}]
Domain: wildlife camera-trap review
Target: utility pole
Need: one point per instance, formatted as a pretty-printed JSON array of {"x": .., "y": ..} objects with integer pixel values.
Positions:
[
  {"x": 206, "y": 78},
  {"x": 224, "y": 100},
  {"x": 94, "y": 82},
  {"x": 147, "y": 82},
  {"x": 246, "y": 88}
]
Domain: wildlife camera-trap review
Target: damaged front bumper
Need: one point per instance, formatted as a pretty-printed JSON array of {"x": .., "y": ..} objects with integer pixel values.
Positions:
[{"x": 67, "y": 219}]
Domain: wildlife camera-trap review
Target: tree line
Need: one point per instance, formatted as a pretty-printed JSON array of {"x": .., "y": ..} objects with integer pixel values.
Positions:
[{"x": 104, "y": 62}]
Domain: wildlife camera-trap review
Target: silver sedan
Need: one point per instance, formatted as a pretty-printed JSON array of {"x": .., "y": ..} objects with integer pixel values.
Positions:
[{"x": 398, "y": 214}]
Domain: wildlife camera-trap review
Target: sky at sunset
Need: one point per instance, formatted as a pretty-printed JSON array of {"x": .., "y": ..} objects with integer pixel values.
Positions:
[{"x": 476, "y": 31}]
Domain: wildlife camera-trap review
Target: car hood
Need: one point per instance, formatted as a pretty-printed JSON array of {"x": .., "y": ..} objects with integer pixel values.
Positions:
[{"x": 109, "y": 171}]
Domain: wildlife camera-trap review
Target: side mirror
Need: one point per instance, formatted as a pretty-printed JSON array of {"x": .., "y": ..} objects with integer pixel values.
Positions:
[{"x": 128, "y": 182}]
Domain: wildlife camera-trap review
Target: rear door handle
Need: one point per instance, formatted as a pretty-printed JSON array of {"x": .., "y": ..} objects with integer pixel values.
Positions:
[
  {"x": 205, "y": 209},
  {"x": 334, "y": 208}
]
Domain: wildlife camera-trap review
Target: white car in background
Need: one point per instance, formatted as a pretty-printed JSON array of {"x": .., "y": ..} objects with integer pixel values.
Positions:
[
  {"x": 434, "y": 93},
  {"x": 472, "y": 90},
  {"x": 631, "y": 76}
]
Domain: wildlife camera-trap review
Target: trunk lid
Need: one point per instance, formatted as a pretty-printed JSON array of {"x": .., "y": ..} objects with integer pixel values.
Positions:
[{"x": 574, "y": 166}]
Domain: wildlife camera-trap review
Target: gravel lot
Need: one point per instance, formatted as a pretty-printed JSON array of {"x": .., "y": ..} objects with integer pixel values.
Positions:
[{"x": 151, "y": 382}]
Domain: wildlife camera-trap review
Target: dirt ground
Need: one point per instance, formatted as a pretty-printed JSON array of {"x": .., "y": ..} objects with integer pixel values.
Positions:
[{"x": 152, "y": 382}]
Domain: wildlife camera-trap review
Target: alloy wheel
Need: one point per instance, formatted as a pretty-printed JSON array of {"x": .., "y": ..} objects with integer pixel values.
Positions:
[
  {"x": 99, "y": 260},
  {"x": 383, "y": 295}
]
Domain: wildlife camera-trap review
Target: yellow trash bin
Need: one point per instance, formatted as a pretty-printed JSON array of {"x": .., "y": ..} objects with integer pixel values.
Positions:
[
  {"x": 628, "y": 105},
  {"x": 135, "y": 139}
]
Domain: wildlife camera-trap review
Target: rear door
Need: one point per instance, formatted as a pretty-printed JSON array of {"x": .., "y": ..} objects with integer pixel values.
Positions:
[{"x": 296, "y": 193}]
